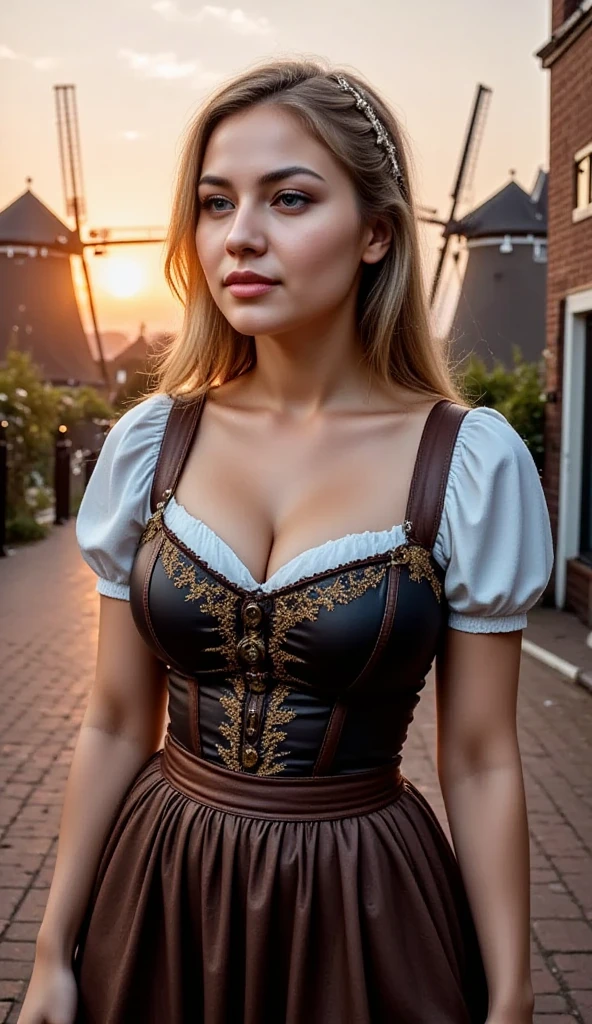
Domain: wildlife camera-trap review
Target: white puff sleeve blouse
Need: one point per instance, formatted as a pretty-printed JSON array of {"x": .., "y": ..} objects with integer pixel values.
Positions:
[
  {"x": 116, "y": 503},
  {"x": 495, "y": 537},
  {"x": 494, "y": 540}
]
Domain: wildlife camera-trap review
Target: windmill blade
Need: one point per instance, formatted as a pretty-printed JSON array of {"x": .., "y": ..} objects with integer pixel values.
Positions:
[
  {"x": 71, "y": 164},
  {"x": 101, "y": 238},
  {"x": 70, "y": 154},
  {"x": 465, "y": 172}
]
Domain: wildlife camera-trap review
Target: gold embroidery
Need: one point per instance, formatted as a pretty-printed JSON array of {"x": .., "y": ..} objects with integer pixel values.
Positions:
[
  {"x": 214, "y": 599},
  {"x": 221, "y": 604},
  {"x": 233, "y": 704},
  {"x": 272, "y": 737},
  {"x": 418, "y": 560},
  {"x": 305, "y": 605},
  {"x": 153, "y": 525}
]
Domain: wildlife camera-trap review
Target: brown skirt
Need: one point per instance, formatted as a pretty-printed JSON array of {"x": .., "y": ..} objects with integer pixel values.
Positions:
[{"x": 227, "y": 898}]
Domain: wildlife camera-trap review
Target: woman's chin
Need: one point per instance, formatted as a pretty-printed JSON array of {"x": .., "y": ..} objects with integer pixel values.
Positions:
[{"x": 251, "y": 322}]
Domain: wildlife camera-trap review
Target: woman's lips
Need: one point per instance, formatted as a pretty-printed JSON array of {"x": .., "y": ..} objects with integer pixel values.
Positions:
[{"x": 249, "y": 290}]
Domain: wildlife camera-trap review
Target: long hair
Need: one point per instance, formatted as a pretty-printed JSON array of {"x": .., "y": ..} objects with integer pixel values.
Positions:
[{"x": 392, "y": 312}]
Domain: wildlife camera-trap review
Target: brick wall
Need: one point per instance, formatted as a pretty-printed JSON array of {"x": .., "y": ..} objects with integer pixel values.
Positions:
[
  {"x": 569, "y": 245},
  {"x": 561, "y": 10},
  {"x": 557, "y": 9}
]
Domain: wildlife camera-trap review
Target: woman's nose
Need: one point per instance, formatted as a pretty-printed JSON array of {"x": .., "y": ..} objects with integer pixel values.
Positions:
[{"x": 246, "y": 233}]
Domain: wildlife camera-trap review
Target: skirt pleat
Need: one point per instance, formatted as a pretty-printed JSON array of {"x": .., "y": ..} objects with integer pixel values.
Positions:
[{"x": 210, "y": 916}]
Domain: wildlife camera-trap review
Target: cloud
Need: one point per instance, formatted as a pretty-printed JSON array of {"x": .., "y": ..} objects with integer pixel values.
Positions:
[
  {"x": 168, "y": 66},
  {"x": 38, "y": 63},
  {"x": 158, "y": 65},
  {"x": 234, "y": 19}
]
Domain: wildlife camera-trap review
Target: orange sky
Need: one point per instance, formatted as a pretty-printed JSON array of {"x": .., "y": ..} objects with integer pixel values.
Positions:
[{"x": 141, "y": 67}]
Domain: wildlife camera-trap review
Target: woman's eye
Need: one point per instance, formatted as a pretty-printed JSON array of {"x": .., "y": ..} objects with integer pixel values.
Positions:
[
  {"x": 293, "y": 200},
  {"x": 215, "y": 203}
]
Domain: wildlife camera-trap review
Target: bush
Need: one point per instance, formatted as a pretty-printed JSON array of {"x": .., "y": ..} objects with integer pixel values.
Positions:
[
  {"x": 34, "y": 409},
  {"x": 23, "y": 528},
  {"x": 517, "y": 393}
]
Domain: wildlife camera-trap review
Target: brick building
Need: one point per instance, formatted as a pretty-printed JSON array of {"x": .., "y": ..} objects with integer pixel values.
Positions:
[{"x": 568, "y": 464}]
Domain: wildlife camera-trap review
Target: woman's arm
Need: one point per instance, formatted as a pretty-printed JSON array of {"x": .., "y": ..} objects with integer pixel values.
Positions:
[
  {"x": 480, "y": 775},
  {"x": 122, "y": 727}
]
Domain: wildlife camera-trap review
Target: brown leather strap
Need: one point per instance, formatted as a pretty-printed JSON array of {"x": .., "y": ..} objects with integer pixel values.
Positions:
[
  {"x": 430, "y": 474},
  {"x": 290, "y": 798},
  {"x": 182, "y": 423},
  {"x": 331, "y": 738}
]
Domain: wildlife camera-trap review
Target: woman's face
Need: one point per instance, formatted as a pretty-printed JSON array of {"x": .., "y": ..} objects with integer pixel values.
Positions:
[{"x": 273, "y": 201}]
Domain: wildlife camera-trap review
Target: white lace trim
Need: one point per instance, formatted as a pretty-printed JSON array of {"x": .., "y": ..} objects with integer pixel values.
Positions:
[{"x": 220, "y": 557}]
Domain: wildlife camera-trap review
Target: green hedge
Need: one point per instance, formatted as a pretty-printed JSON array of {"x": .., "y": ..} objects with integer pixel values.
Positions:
[{"x": 517, "y": 393}]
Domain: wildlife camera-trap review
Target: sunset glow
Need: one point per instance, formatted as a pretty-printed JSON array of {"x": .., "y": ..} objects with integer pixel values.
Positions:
[{"x": 120, "y": 277}]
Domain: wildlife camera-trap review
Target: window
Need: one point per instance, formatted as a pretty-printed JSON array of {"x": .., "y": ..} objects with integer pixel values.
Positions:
[
  {"x": 539, "y": 252},
  {"x": 582, "y": 205},
  {"x": 586, "y": 510}
]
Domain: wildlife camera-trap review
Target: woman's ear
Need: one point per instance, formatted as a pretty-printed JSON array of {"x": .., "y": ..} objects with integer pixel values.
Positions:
[{"x": 379, "y": 236}]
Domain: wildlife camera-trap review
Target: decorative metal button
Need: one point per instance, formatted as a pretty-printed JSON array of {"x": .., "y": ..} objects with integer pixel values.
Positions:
[
  {"x": 257, "y": 681},
  {"x": 252, "y": 724},
  {"x": 252, "y": 614},
  {"x": 250, "y": 757},
  {"x": 251, "y": 649}
]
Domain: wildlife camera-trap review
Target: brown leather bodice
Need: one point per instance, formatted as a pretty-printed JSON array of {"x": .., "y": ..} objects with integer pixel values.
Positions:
[{"x": 317, "y": 677}]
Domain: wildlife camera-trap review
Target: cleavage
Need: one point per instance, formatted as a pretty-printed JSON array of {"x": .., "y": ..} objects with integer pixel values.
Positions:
[{"x": 256, "y": 503}]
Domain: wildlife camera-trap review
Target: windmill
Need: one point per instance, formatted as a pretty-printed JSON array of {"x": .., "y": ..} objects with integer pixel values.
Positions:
[
  {"x": 72, "y": 180},
  {"x": 501, "y": 302},
  {"x": 38, "y": 306}
]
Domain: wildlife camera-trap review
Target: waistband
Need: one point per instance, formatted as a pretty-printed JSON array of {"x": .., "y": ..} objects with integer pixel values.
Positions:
[{"x": 294, "y": 798}]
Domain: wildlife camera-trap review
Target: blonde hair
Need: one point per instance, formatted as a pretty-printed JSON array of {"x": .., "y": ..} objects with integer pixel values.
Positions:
[{"x": 393, "y": 318}]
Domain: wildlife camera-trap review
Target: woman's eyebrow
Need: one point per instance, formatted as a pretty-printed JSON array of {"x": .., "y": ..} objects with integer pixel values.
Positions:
[{"x": 270, "y": 178}]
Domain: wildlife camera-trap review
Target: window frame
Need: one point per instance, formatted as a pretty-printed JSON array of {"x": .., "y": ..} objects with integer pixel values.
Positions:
[
  {"x": 581, "y": 158},
  {"x": 585, "y": 544}
]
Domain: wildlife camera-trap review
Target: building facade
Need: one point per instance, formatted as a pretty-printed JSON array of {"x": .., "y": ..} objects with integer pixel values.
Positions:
[{"x": 568, "y": 461}]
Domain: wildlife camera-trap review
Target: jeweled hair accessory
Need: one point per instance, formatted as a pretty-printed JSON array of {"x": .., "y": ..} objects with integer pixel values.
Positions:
[{"x": 382, "y": 136}]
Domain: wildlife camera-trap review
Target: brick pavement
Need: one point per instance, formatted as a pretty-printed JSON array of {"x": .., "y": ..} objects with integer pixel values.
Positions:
[{"x": 49, "y": 615}]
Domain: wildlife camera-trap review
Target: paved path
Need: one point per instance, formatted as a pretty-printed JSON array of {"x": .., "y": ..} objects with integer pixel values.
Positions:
[{"x": 48, "y": 634}]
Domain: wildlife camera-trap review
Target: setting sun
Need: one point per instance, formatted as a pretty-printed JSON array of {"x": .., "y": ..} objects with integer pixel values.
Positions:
[{"x": 122, "y": 278}]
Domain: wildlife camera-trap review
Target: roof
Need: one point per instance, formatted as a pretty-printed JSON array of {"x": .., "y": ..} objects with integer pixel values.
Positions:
[
  {"x": 511, "y": 211},
  {"x": 28, "y": 221},
  {"x": 566, "y": 33}
]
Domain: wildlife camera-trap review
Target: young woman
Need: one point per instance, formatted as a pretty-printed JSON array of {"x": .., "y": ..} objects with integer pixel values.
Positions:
[{"x": 288, "y": 533}]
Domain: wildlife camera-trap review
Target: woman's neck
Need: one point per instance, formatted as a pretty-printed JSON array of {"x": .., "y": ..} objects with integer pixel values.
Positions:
[{"x": 317, "y": 366}]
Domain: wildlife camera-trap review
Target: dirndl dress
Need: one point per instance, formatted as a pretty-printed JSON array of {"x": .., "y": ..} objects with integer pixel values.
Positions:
[{"x": 272, "y": 864}]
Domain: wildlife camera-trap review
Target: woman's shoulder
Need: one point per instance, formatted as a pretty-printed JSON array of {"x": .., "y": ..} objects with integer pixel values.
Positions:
[
  {"x": 142, "y": 420},
  {"x": 491, "y": 461},
  {"x": 487, "y": 433},
  {"x": 494, "y": 540},
  {"x": 116, "y": 503}
]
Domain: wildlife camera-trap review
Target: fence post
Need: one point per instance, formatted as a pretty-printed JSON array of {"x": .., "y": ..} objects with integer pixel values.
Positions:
[
  {"x": 61, "y": 482},
  {"x": 3, "y": 485}
]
